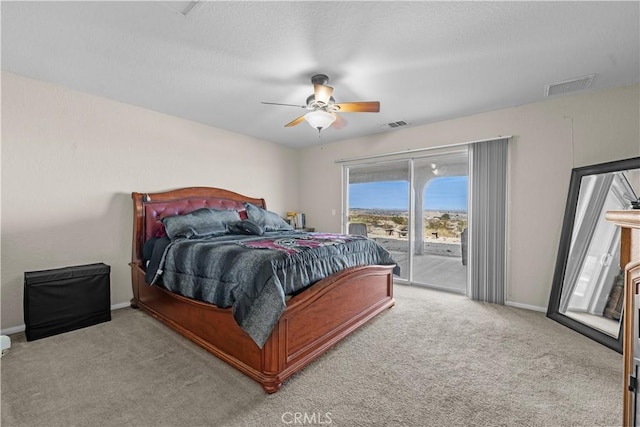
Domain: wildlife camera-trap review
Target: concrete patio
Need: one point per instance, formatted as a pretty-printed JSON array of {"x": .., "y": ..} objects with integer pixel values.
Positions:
[{"x": 439, "y": 266}]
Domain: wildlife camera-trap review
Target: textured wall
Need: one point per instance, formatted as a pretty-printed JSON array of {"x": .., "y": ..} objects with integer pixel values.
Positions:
[
  {"x": 549, "y": 139},
  {"x": 70, "y": 162}
]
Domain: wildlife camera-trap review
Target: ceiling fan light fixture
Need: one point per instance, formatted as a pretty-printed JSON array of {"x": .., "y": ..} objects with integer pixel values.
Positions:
[
  {"x": 323, "y": 107},
  {"x": 319, "y": 119},
  {"x": 322, "y": 94}
]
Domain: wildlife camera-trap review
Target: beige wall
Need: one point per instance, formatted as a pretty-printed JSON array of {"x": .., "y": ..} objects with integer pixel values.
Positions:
[
  {"x": 549, "y": 139},
  {"x": 70, "y": 162}
]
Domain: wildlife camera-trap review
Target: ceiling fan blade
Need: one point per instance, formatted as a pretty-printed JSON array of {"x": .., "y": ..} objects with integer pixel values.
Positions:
[
  {"x": 322, "y": 93},
  {"x": 295, "y": 122},
  {"x": 286, "y": 105},
  {"x": 340, "y": 122},
  {"x": 359, "y": 107}
]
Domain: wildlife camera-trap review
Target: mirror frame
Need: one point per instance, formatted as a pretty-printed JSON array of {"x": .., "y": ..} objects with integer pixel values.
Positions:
[{"x": 563, "y": 252}]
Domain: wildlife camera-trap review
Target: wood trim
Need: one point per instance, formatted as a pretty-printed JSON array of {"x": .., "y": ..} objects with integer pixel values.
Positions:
[
  {"x": 625, "y": 219},
  {"x": 632, "y": 283},
  {"x": 625, "y": 247},
  {"x": 629, "y": 222}
]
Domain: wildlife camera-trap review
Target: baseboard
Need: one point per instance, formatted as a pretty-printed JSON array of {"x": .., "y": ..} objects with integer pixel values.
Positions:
[
  {"x": 21, "y": 328},
  {"x": 121, "y": 305},
  {"x": 526, "y": 306},
  {"x": 13, "y": 330}
]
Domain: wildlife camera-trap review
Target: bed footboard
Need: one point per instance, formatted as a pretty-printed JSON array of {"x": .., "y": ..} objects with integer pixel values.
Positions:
[
  {"x": 314, "y": 321},
  {"x": 330, "y": 311}
]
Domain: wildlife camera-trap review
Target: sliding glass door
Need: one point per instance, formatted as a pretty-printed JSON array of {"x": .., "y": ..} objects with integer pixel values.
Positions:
[
  {"x": 378, "y": 196},
  {"x": 441, "y": 189},
  {"x": 417, "y": 209}
]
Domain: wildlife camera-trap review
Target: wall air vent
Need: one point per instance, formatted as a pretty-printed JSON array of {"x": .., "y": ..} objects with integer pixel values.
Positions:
[
  {"x": 394, "y": 125},
  {"x": 572, "y": 85}
]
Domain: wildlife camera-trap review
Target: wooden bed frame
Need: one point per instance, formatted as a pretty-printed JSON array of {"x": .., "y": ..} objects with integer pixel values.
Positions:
[{"x": 314, "y": 320}]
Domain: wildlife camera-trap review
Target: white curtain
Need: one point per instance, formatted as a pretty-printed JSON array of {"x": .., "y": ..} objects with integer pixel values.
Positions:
[{"x": 487, "y": 221}]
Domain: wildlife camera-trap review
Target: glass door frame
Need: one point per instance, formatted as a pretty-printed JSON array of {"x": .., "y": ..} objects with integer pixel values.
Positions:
[
  {"x": 411, "y": 235},
  {"x": 410, "y": 216}
]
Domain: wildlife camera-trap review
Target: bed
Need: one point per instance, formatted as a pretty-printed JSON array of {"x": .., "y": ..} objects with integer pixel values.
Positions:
[{"x": 313, "y": 318}]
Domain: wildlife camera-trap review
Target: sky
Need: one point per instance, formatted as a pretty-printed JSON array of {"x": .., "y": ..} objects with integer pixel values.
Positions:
[{"x": 445, "y": 193}]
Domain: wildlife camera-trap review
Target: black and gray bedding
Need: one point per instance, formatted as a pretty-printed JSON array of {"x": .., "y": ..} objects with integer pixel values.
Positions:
[{"x": 250, "y": 265}]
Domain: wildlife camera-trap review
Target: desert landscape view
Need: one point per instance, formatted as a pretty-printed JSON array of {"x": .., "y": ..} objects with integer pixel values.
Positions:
[{"x": 442, "y": 229}]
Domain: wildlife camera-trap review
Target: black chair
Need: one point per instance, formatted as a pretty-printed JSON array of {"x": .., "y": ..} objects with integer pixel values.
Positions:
[{"x": 358, "y": 228}]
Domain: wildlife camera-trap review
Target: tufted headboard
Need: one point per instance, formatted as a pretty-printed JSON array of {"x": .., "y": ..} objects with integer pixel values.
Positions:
[{"x": 150, "y": 208}]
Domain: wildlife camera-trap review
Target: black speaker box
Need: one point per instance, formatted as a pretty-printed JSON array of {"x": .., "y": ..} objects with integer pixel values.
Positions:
[{"x": 65, "y": 299}]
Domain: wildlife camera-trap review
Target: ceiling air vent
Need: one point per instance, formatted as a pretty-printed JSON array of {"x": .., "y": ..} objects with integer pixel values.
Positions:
[
  {"x": 394, "y": 125},
  {"x": 572, "y": 85},
  {"x": 182, "y": 7}
]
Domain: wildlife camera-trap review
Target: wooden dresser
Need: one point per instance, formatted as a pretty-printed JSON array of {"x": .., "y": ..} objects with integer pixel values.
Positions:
[{"x": 629, "y": 222}]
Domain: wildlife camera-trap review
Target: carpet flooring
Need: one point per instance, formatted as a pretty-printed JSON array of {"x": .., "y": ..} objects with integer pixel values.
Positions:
[{"x": 435, "y": 359}]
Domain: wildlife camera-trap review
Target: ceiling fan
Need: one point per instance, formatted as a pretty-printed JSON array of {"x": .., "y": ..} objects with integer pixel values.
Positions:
[{"x": 323, "y": 107}]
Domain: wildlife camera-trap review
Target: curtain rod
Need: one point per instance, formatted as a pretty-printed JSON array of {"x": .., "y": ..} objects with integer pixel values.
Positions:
[{"x": 418, "y": 150}]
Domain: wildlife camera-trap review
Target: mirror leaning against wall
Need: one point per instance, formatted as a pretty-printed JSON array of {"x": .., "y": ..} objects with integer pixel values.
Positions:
[{"x": 588, "y": 283}]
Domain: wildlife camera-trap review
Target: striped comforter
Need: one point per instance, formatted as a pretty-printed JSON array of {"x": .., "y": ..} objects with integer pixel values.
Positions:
[{"x": 252, "y": 274}]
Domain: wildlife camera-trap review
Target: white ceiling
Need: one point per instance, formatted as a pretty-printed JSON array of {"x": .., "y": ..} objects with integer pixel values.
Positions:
[{"x": 424, "y": 61}]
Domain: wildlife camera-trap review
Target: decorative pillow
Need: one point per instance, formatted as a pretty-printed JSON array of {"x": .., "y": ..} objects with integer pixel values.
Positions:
[
  {"x": 246, "y": 227},
  {"x": 147, "y": 248},
  {"x": 203, "y": 222},
  {"x": 269, "y": 221},
  {"x": 161, "y": 232}
]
